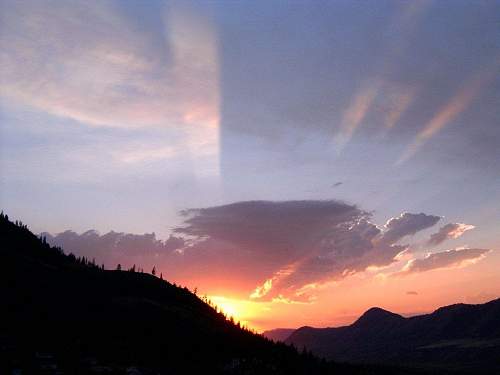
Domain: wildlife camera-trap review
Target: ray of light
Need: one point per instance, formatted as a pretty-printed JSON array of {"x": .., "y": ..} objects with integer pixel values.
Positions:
[
  {"x": 451, "y": 110},
  {"x": 355, "y": 113},
  {"x": 402, "y": 103},
  {"x": 195, "y": 73}
]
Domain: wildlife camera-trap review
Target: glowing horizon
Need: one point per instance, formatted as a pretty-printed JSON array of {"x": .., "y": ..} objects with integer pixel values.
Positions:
[{"x": 298, "y": 164}]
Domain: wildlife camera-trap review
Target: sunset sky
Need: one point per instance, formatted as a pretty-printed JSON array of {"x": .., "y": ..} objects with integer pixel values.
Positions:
[{"x": 297, "y": 162}]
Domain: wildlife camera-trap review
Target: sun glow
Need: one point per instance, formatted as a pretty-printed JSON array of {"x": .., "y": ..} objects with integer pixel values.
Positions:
[
  {"x": 227, "y": 306},
  {"x": 242, "y": 311}
]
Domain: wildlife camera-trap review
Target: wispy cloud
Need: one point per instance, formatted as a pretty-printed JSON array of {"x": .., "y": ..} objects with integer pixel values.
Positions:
[
  {"x": 451, "y": 110},
  {"x": 85, "y": 62},
  {"x": 400, "y": 102},
  {"x": 355, "y": 113}
]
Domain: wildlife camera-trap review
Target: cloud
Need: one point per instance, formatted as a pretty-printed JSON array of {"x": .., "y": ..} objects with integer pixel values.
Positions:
[
  {"x": 281, "y": 251},
  {"x": 456, "y": 105},
  {"x": 289, "y": 248},
  {"x": 411, "y": 293},
  {"x": 449, "y": 231},
  {"x": 355, "y": 113},
  {"x": 400, "y": 101},
  {"x": 88, "y": 62},
  {"x": 114, "y": 247},
  {"x": 445, "y": 259},
  {"x": 406, "y": 224},
  {"x": 100, "y": 80}
]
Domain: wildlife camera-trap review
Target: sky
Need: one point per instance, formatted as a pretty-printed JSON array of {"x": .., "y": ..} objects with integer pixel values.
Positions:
[{"x": 296, "y": 162}]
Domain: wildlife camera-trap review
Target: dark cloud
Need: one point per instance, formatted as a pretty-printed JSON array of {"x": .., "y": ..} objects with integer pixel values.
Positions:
[
  {"x": 294, "y": 245},
  {"x": 449, "y": 231},
  {"x": 279, "y": 230},
  {"x": 263, "y": 249},
  {"x": 407, "y": 224},
  {"x": 445, "y": 259}
]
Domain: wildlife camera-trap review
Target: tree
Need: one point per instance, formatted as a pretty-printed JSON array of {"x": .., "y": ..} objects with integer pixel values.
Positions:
[
  {"x": 153, "y": 271},
  {"x": 119, "y": 267}
]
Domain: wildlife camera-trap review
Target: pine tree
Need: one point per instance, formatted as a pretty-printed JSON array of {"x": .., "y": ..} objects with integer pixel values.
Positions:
[
  {"x": 153, "y": 271},
  {"x": 119, "y": 267}
]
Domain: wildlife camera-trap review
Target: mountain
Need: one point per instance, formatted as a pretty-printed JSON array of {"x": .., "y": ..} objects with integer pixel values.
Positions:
[
  {"x": 458, "y": 337},
  {"x": 66, "y": 315},
  {"x": 278, "y": 334}
]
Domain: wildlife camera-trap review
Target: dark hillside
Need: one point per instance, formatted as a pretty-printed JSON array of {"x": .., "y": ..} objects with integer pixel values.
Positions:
[{"x": 67, "y": 315}]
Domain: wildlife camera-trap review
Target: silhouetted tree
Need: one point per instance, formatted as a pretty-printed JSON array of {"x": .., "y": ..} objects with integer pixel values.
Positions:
[
  {"x": 153, "y": 271},
  {"x": 119, "y": 267}
]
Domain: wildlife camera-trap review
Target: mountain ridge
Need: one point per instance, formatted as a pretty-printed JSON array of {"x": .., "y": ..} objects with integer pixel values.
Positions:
[
  {"x": 380, "y": 336},
  {"x": 278, "y": 334}
]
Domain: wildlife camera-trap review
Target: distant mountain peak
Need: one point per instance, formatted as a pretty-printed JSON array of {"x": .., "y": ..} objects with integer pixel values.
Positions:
[
  {"x": 459, "y": 336},
  {"x": 377, "y": 315},
  {"x": 278, "y": 334}
]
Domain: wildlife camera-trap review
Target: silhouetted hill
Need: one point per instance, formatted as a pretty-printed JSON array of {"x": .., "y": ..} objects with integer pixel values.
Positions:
[
  {"x": 377, "y": 319},
  {"x": 461, "y": 337},
  {"x": 278, "y": 334},
  {"x": 63, "y": 315}
]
